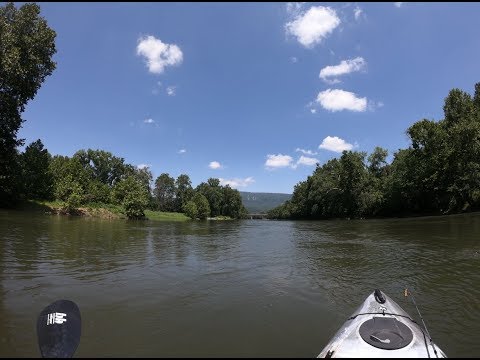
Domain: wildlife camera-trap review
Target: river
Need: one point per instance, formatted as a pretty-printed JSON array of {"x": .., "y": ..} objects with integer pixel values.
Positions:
[{"x": 233, "y": 288}]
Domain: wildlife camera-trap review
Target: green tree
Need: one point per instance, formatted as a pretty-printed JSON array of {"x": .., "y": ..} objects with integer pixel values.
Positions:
[
  {"x": 462, "y": 165},
  {"x": 377, "y": 161},
  {"x": 190, "y": 209},
  {"x": 183, "y": 191},
  {"x": 144, "y": 175},
  {"x": 37, "y": 178},
  {"x": 27, "y": 45},
  {"x": 352, "y": 181},
  {"x": 458, "y": 107},
  {"x": 164, "y": 192},
  {"x": 213, "y": 192},
  {"x": 203, "y": 208},
  {"x": 103, "y": 166},
  {"x": 232, "y": 204},
  {"x": 132, "y": 195},
  {"x": 97, "y": 192}
]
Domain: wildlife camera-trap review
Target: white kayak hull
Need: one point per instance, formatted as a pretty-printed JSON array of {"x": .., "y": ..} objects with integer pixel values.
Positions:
[{"x": 362, "y": 334}]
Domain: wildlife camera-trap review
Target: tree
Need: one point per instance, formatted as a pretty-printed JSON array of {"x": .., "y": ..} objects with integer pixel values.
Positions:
[
  {"x": 144, "y": 175},
  {"x": 476, "y": 99},
  {"x": 103, "y": 166},
  {"x": 377, "y": 161},
  {"x": 352, "y": 180},
  {"x": 458, "y": 106},
  {"x": 190, "y": 209},
  {"x": 164, "y": 192},
  {"x": 462, "y": 165},
  {"x": 69, "y": 176},
  {"x": 131, "y": 194},
  {"x": 213, "y": 192},
  {"x": 37, "y": 178},
  {"x": 232, "y": 204},
  {"x": 183, "y": 191},
  {"x": 27, "y": 45},
  {"x": 203, "y": 208}
]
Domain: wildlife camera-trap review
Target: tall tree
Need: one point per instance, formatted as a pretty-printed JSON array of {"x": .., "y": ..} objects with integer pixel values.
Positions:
[
  {"x": 184, "y": 191},
  {"x": 132, "y": 195},
  {"x": 352, "y": 180},
  {"x": 213, "y": 192},
  {"x": 164, "y": 192},
  {"x": 27, "y": 45},
  {"x": 37, "y": 178},
  {"x": 377, "y": 161},
  {"x": 102, "y": 165},
  {"x": 231, "y": 204},
  {"x": 201, "y": 203}
]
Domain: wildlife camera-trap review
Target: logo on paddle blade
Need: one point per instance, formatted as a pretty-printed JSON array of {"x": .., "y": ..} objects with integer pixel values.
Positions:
[{"x": 56, "y": 318}]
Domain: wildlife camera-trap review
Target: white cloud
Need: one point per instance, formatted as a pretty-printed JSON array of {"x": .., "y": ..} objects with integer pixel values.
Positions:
[
  {"x": 214, "y": 165},
  {"x": 143, "y": 166},
  {"x": 313, "y": 111},
  {"x": 312, "y": 26},
  {"x": 171, "y": 90},
  {"x": 337, "y": 100},
  {"x": 182, "y": 151},
  {"x": 306, "y": 152},
  {"x": 398, "y": 4},
  {"x": 345, "y": 67},
  {"x": 357, "y": 12},
  {"x": 308, "y": 161},
  {"x": 157, "y": 54},
  {"x": 278, "y": 161},
  {"x": 149, "y": 121},
  {"x": 335, "y": 144},
  {"x": 236, "y": 182}
]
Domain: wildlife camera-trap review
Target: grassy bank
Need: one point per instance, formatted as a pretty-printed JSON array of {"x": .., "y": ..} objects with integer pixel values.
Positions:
[
  {"x": 165, "y": 216},
  {"x": 103, "y": 211}
]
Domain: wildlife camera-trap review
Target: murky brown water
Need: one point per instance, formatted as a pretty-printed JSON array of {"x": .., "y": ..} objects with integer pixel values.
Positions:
[{"x": 236, "y": 289}]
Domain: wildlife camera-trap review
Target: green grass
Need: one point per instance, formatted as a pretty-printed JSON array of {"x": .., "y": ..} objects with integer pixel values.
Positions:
[
  {"x": 100, "y": 210},
  {"x": 165, "y": 216}
]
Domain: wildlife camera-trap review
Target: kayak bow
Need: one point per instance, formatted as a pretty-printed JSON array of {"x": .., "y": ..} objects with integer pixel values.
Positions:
[{"x": 381, "y": 328}]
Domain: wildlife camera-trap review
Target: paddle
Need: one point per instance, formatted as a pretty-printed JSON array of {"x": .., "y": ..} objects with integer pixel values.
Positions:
[{"x": 59, "y": 327}]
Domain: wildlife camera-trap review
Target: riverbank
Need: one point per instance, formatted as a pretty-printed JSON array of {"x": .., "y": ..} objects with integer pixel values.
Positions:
[{"x": 102, "y": 211}]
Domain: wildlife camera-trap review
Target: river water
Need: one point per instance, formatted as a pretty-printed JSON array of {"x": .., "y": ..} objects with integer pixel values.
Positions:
[{"x": 233, "y": 288}]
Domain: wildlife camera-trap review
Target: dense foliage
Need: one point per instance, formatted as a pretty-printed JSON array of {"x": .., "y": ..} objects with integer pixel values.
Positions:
[
  {"x": 97, "y": 176},
  {"x": 27, "y": 45},
  {"x": 439, "y": 173}
]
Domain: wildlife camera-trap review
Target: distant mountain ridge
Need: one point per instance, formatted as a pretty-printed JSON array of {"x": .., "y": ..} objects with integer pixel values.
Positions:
[{"x": 257, "y": 203}]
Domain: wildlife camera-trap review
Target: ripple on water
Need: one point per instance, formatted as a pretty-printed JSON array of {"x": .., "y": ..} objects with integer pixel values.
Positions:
[{"x": 202, "y": 284}]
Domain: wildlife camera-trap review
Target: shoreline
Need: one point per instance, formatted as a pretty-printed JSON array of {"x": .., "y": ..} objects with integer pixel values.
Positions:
[{"x": 101, "y": 211}]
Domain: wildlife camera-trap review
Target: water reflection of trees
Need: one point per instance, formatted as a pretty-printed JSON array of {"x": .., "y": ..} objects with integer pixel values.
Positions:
[{"x": 347, "y": 259}]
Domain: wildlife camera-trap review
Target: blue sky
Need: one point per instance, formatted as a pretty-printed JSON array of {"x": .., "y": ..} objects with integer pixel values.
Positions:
[{"x": 252, "y": 93}]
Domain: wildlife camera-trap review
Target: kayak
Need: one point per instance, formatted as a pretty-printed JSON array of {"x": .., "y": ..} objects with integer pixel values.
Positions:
[{"x": 381, "y": 328}]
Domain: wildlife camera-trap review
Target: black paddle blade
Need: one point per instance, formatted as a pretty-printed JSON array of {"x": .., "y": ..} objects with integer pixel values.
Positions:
[{"x": 59, "y": 327}]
